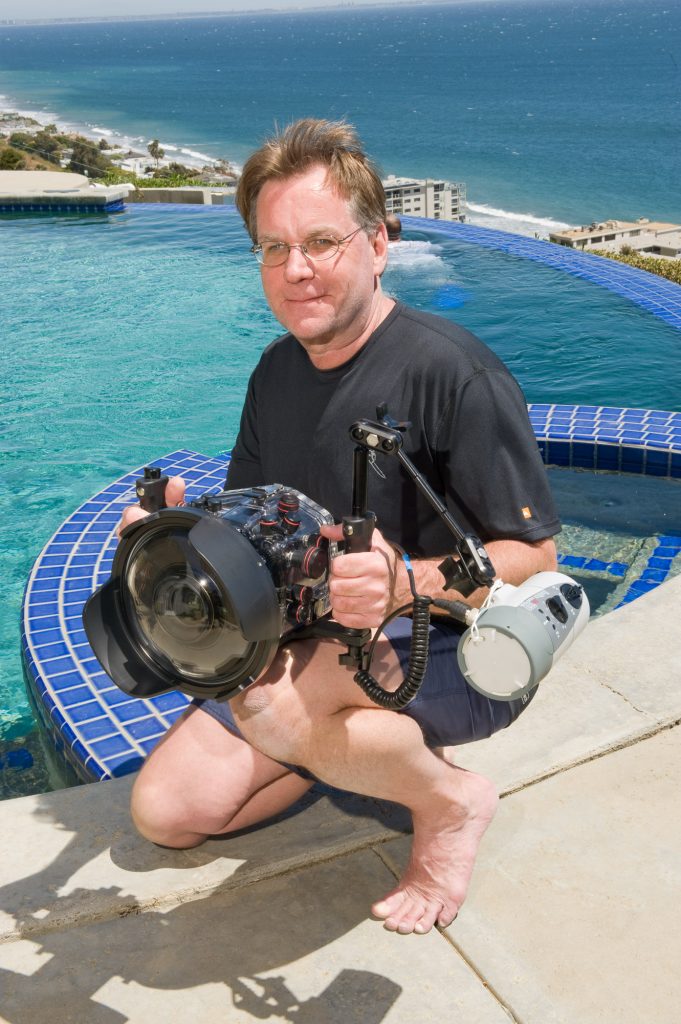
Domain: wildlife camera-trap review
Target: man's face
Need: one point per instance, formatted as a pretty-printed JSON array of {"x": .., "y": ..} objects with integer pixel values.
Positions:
[{"x": 325, "y": 304}]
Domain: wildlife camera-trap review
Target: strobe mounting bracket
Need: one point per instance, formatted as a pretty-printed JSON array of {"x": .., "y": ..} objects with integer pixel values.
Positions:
[{"x": 470, "y": 567}]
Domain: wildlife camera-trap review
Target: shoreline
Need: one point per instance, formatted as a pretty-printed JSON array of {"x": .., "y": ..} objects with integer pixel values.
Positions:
[
  {"x": 136, "y": 145},
  {"x": 478, "y": 213}
]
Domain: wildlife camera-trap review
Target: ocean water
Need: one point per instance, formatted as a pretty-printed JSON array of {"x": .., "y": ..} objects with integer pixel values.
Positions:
[
  {"x": 551, "y": 111},
  {"x": 128, "y": 336}
]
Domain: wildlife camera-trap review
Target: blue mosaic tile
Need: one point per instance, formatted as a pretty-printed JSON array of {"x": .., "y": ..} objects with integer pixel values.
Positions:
[
  {"x": 642, "y": 587},
  {"x": 658, "y": 560},
  {"x": 607, "y": 457},
  {"x": 88, "y": 712},
  {"x": 596, "y": 565},
  {"x": 583, "y": 455},
  {"x": 44, "y": 635},
  {"x": 658, "y": 575},
  {"x": 116, "y": 767},
  {"x": 558, "y": 453},
  {"x": 110, "y": 746},
  {"x": 617, "y": 568},
  {"x": 74, "y": 695},
  {"x": 131, "y": 711},
  {"x": 146, "y": 728},
  {"x": 632, "y": 460},
  {"x": 48, "y": 652},
  {"x": 170, "y": 701},
  {"x": 576, "y": 561},
  {"x": 113, "y": 697},
  {"x": 665, "y": 552},
  {"x": 657, "y": 463}
]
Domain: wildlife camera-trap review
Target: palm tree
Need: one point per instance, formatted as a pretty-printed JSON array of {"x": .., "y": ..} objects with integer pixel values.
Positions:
[{"x": 155, "y": 151}]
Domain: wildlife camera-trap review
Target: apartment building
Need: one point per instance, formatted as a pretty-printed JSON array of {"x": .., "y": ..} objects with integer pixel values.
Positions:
[
  {"x": 441, "y": 200},
  {"x": 645, "y": 236}
]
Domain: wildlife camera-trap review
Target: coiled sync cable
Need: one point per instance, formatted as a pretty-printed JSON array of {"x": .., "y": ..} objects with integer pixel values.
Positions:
[{"x": 418, "y": 656}]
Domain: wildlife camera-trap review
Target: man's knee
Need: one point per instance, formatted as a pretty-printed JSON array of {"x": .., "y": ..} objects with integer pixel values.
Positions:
[
  {"x": 276, "y": 713},
  {"x": 160, "y": 819}
]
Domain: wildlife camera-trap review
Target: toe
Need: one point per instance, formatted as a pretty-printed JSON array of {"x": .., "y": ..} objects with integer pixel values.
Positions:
[
  {"x": 389, "y": 905},
  {"x": 446, "y": 917},
  {"x": 415, "y": 914}
]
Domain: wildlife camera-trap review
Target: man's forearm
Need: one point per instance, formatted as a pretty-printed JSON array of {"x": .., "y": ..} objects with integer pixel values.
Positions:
[{"x": 514, "y": 561}]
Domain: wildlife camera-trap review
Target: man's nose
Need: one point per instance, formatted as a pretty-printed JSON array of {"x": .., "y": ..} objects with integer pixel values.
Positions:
[{"x": 298, "y": 265}]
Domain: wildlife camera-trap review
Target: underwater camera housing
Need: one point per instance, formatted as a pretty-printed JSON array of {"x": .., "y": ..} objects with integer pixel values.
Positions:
[{"x": 200, "y": 597}]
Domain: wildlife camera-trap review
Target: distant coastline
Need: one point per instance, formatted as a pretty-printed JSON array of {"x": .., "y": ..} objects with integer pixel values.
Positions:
[
  {"x": 12, "y": 120},
  {"x": 196, "y": 15}
]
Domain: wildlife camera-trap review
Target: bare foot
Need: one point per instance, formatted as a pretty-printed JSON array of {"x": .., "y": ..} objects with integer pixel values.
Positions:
[{"x": 442, "y": 857}]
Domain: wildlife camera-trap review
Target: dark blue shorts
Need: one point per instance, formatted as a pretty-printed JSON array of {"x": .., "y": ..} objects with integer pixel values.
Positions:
[{"x": 448, "y": 711}]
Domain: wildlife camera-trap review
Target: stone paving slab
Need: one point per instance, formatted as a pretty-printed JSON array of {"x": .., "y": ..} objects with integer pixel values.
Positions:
[
  {"x": 74, "y": 856},
  {"x": 297, "y": 948},
  {"x": 573, "y": 912}
]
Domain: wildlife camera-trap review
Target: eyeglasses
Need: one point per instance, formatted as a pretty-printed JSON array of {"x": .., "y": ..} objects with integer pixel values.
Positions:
[{"x": 274, "y": 254}]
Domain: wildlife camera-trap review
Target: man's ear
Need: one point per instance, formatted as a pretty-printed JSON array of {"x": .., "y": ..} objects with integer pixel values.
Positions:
[{"x": 380, "y": 244}]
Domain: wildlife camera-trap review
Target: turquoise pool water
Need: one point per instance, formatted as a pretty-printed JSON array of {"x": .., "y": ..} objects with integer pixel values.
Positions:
[{"x": 128, "y": 336}]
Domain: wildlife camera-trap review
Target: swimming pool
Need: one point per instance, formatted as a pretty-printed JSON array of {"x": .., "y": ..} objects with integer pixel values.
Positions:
[{"x": 147, "y": 324}]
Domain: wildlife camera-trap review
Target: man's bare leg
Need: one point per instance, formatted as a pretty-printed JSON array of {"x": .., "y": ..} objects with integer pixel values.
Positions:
[
  {"x": 308, "y": 710},
  {"x": 201, "y": 780}
]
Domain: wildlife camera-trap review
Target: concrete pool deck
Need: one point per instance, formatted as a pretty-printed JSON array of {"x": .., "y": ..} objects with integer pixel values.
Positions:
[
  {"x": 572, "y": 916},
  {"x": 55, "y": 191}
]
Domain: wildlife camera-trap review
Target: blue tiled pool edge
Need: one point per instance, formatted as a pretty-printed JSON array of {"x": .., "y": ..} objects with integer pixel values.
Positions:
[
  {"x": 101, "y": 732},
  {"x": 657, "y": 295}
]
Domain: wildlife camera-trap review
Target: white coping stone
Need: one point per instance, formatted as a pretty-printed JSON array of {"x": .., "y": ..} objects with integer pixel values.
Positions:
[
  {"x": 294, "y": 948},
  {"x": 40, "y": 181},
  {"x": 31, "y": 186}
]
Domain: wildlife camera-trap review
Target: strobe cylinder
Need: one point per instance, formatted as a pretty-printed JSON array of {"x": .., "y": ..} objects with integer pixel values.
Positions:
[
  {"x": 517, "y": 638},
  {"x": 201, "y": 596}
]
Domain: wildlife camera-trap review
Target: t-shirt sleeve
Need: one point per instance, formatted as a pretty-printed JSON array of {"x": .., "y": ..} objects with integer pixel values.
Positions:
[
  {"x": 490, "y": 461},
  {"x": 244, "y": 469}
]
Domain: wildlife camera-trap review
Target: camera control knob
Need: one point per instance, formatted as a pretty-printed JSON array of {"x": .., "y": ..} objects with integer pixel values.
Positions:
[
  {"x": 288, "y": 503},
  {"x": 268, "y": 527},
  {"x": 314, "y": 562}
]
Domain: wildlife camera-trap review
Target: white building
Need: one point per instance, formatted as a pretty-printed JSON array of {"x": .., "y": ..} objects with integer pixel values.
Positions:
[
  {"x": 441, "y": 200},
  {"x": 642, "y": 235}
]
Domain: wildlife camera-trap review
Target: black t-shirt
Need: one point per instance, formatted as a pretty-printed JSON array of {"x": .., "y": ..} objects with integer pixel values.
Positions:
[{"x": 470, "y": 434}]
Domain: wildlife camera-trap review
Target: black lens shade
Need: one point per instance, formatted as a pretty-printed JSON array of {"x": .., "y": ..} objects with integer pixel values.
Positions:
[{"x": 189, "y": 605}]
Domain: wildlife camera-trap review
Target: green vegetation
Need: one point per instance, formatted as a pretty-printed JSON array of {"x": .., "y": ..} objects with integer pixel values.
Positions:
[
  {"x": 87, "y": 158},
  {"x": 23, "y": 148},
  {"x": 671, "y": 269},
  {"x": 11, "y": 159}
]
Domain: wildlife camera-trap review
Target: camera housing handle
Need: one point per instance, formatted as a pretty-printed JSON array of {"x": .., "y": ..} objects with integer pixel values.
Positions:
[{"x": 151, "y": 489}]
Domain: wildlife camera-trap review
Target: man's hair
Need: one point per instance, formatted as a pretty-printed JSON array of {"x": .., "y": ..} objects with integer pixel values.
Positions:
[{"x": 305, "y": 144}]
